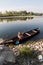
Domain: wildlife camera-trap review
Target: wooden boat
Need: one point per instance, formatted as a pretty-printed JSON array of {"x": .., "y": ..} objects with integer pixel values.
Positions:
[{"x": 26, "y": 35}]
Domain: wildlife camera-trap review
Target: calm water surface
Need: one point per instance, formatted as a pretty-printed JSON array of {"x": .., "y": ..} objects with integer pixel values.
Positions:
[{"x": 10, "y": 28}]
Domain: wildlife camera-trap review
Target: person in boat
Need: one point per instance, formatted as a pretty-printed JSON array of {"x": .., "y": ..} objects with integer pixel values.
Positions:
[{"x": 20, "y": 35}]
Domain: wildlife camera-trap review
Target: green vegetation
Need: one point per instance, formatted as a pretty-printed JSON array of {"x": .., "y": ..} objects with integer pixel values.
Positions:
[
  {"x": 25, "y": 51},
  {"x": 20, "y": 13}
]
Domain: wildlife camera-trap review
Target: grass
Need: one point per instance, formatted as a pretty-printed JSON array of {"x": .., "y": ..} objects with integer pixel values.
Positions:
[{"x": 25, "y": 51}]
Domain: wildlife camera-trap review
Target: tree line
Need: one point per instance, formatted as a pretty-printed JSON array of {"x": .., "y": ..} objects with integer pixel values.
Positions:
[{"x": 20, "y": 13}]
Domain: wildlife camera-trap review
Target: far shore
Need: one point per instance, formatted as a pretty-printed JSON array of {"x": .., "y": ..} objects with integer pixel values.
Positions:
[{"x": 17, "y": 16}]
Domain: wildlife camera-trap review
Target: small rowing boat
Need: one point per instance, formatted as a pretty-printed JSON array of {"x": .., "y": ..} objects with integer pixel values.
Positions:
[{"x": 26, "y": 35}]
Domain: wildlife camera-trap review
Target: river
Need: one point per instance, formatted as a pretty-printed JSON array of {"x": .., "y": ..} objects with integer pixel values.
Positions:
[{"x": 10, "y": 27}]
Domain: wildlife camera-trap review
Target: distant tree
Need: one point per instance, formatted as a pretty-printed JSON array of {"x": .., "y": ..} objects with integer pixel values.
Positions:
[
  {"x": 20, "y": 13},
  {"x": 23, "y": 12},
  {"x": 30, "y": 13},
  {"x": 1, "y": 14}
]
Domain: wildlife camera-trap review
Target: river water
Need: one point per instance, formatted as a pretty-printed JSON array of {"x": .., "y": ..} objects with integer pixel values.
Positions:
[{"x": 10, "y": 27}]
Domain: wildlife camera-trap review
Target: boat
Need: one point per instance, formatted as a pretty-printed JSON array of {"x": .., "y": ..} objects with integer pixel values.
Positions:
[{"x": 26, "y": 35}]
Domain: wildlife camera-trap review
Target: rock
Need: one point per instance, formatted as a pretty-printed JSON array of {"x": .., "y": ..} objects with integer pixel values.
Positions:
[{"x": 6, "y": 55}]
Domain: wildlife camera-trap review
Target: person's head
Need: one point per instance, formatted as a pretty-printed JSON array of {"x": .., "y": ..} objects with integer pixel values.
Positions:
[
  {"x": 1, "y": 41},
  {"x": 19, "y": 33}
]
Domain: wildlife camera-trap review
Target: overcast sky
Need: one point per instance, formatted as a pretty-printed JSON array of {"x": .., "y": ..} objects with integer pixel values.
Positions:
[{"x": 28, "y": 5}]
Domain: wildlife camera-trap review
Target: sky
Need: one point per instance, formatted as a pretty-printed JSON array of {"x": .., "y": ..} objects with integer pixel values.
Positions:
[{"x": 18, "y": 5}]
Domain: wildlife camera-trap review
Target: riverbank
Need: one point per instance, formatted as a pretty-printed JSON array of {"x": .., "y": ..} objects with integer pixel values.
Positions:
[
  {"x": 22, "y": 54},
  {"x": 35, "y": 45},
  {"x": 24, "y": 58},
  {"x": 7, "y": 17}
]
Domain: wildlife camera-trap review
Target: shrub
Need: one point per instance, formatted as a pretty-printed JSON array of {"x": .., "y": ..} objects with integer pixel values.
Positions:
[{"x": 25, "y": 51}]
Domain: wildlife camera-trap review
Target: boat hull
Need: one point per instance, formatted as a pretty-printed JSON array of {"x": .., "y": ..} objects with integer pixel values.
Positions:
[{"x": 26, "y": 35}]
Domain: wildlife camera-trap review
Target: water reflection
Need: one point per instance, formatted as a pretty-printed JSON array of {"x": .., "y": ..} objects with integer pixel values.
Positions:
[{"x": 15, "y": 19}]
